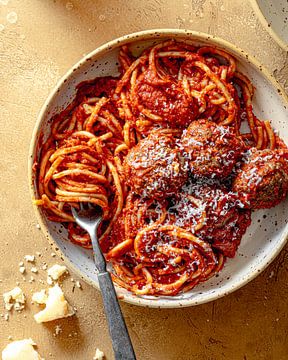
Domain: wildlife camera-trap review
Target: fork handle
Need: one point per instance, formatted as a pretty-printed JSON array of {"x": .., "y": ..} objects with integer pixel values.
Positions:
[{"x": 121, "y": 341}]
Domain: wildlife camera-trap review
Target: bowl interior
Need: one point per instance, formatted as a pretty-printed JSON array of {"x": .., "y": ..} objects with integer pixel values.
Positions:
[{"x": 268, "y": 231}]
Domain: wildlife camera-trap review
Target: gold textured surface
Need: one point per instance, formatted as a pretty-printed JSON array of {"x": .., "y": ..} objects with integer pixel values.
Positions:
[{"x": 38, "y": 46}]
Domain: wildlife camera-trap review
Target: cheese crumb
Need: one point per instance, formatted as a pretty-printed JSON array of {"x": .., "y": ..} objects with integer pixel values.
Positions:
[
  {"x": 14, "y": 299},
  {"x": 40, "y": 297},
  {"x": 56, "y": 271},
  {"x": 57, "y": 306},
  {"x": 22, "y": 269},
  {"x": 29, "y": 258},
  {"x": 58, "y": 330},
  {"x": 12, "y": 17},
  {"x": 99, "y": 355},
  {"x": 78, "y": 284},
  {"x": 21, "y": 349},
  {"x": 34, "y": 270}
]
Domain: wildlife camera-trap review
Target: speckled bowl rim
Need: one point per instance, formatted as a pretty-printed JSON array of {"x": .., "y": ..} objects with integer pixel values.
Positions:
[
  {"x": 265, "y": 24},
  {"x": 138, "y": 36}
]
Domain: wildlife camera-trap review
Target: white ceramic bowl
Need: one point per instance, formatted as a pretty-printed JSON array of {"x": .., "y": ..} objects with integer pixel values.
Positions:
[
  {"x": 273, "y": 15},
  {"x": 264, "y": 238}
]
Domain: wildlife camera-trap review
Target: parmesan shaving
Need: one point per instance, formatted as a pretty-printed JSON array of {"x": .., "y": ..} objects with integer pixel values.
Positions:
[
  {"x": 21, "y": 350},
  {"x": 57, "y": 306}
]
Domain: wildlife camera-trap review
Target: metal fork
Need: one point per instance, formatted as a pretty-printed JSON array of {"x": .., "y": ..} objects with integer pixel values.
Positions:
[{"x": 89, "y": 219}]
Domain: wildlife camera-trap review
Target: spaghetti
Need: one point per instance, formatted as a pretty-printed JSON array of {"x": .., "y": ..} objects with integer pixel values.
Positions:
[{"x": 159, "y": 149}]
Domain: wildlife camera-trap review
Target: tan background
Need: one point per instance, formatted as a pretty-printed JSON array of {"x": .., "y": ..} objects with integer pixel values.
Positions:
[{"x": 47, "y": 39}]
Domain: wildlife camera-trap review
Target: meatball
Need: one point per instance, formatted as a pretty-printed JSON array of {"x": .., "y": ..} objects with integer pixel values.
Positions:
[
  {"x": 212, "y": 214},
  {"x": 262, "y": 181},
  {"x": 154, "y": 167},
  {"x": 167, "y": 101},
  {"x": 212, "y": 150}
]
